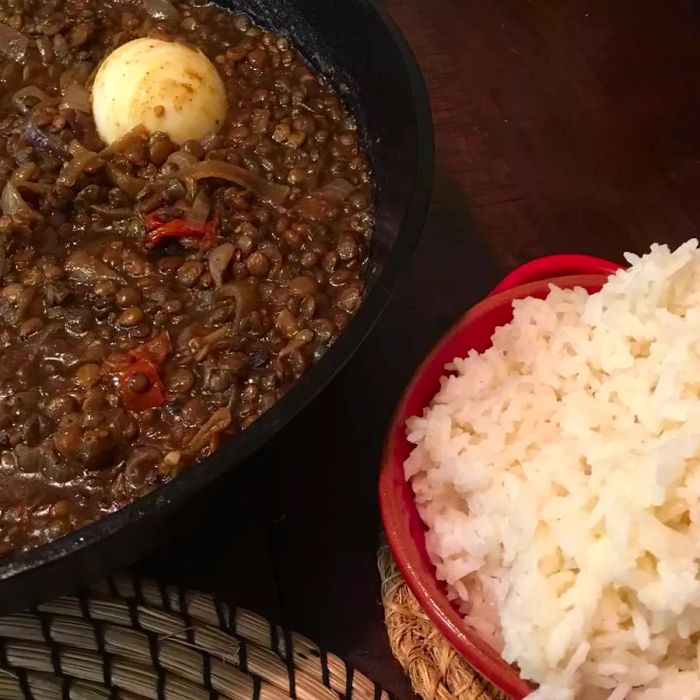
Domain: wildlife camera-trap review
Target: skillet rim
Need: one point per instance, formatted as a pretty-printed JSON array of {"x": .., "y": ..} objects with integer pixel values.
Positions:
[{"x": 234, "y": 451}]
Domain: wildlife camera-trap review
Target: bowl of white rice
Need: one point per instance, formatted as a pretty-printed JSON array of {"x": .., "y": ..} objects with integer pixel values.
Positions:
[{"x": 540, "y": 486}]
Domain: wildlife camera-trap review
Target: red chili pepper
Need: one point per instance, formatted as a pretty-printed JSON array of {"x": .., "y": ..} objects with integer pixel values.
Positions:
[
  {"x": 155, "y": 350},
  {"x": 145, "y": 359},
  {"x": 157, "y": 230},
  {"x": 140, "y": 401},
  {"x": 153, "y": 220},
  {"x": 210, "y": 232}
]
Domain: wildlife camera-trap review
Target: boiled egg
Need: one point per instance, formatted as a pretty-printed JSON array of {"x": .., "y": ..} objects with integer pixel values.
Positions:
[{"x": 162, "y": 85}]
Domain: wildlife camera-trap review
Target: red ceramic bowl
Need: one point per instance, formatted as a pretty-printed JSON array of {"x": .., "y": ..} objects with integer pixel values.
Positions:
[
  {"x": 404, "y": 528},
  {"x": 555, "y": 266}
]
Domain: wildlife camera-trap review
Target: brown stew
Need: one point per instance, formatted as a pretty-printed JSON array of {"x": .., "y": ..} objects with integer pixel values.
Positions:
[{"x": 153, "y": 297}]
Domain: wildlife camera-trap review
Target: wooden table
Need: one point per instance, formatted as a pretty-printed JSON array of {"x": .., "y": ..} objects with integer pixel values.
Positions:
[{"x": 561, "y": 125}]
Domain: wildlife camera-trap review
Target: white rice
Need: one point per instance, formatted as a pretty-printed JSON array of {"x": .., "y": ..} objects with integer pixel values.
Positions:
[{"x": 558, "y": 474}]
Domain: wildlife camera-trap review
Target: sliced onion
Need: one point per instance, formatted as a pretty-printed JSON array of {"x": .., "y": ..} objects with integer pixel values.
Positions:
[
  {"x": 162, "y": 10},
  {"x": 301, "y": 339},
  {"x": 170, "y": 464},
  {"x": 42, "y": 141},
  {"x": 217, "y": 423},
  {"x": 82, "y": 159},
  {"x": 199, "y": 212},
  {"x": 11, "y": 201},
  {"x": 13, "y": 43},
  {"x": 78, "y": 74},
  {"x": 22, "y": 179},
  {"x": 18, "y": 100},
  {"x": 266, "y": 190},
  {"x": 12, "y": 204},
  {"x": 125, "y": 182},
  {"x": 322, "y": 204},
  {"x": 112, "y": 214},
  {"x": 84, "y": 268},
  {"x": 39, "y": 188},
  {"x": 175, "y": 165},
  {"x": 219, "y": 258},
  {"x": 186, "y": 335},
  {"x": 76, "y": 97},
  {"x": 138, "y": 133},
  {"x": 217, "y": 335},
  {"x": 181, "y": 160},
  {"x": 246, "y": 296},
  {"x": 336, "y": 191},
  {"x": 25, "y": 172}
]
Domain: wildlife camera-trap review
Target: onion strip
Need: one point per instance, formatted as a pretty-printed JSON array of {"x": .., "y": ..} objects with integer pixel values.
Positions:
[
  {"x": 19, "y": 97},
  {"x": 138, "y": 133},
  {"x": 82, "y": 159},
  {"x": 199, "y": 212},
  {"x": 335, "y": 192},
  {"x": 269, "y": 191},
  {"x": 246, "y": 296},
  {"x": 181, "y": 160},
  {"x": 42, "y": 141},
  {"x": 11, "y": 201},
  {"x": 111, "y": 214},
  {"x": 124, "y": 181},
  {"x": 22, "y": 179},
  {"x": 76, "y": 97},
  {"x": 219, "y": 258},
  {"x": 217, "y": 423}
]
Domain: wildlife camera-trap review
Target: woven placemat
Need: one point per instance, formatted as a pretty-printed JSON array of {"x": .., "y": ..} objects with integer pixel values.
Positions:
[
  {"x": 132, "y": 639},
  {"x": 436, "y": 670}
]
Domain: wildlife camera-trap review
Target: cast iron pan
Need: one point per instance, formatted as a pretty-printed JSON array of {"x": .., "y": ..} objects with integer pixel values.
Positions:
[{"x": 359, "y": 49}]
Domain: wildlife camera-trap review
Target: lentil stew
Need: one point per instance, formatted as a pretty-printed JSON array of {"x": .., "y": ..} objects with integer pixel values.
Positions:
[{"x": 156, "y": 296}]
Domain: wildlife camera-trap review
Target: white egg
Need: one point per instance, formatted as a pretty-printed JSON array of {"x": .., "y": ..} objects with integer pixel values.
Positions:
[{"x": 162, "y": 85}]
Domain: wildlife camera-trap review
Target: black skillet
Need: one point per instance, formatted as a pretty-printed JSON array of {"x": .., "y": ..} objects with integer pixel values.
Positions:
[{"x": 359, "y": 49}]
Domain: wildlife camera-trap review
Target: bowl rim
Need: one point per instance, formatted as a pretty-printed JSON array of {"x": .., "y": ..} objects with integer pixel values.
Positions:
[
  {"x": 428, "y": 590},
  {"x": 558, "y": 265}
]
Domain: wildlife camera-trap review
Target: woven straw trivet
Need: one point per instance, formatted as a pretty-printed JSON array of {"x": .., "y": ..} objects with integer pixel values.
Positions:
[
  {"x": 131, "y": 639},
  {"x": 436, "y": 670}
]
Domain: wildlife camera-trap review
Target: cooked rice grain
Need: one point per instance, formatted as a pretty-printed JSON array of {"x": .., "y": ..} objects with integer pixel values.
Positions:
[{"x": 559, "y": 476}]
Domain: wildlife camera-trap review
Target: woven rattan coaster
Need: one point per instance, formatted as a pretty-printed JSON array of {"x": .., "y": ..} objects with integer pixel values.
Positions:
[
  {"x": 131, "y": 639},
  {"x": 436, "y": 671}
]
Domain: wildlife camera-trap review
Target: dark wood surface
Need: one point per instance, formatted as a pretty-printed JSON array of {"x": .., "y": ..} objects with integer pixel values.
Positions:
[{"x": 561, "y": 125}]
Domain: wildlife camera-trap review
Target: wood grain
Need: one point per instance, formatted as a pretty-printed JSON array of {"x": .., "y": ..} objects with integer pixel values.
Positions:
[
  {"x": 565, "y": 125},
  {"x": 560, "y": 125}
]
